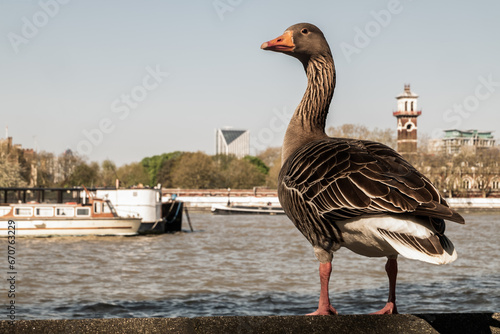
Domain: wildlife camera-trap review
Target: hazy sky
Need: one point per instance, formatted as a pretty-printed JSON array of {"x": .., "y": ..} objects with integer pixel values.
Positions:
[{"x": 122, "y": 80}]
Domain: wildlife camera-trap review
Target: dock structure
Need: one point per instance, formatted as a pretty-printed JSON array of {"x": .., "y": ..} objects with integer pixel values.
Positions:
[
  {"x": 383, "y": 324},
  {"x": 203, "y": 199}
]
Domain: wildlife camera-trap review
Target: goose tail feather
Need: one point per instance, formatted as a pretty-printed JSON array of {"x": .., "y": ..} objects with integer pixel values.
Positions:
[{"x": 435, "y": 249}]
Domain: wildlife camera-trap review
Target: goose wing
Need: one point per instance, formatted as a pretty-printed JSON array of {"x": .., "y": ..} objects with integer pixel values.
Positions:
[{"x": 344, "y": 178}]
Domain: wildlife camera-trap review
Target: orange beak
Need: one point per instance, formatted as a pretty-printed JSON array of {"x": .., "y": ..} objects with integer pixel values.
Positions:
[{"x": 282, "y": 43}]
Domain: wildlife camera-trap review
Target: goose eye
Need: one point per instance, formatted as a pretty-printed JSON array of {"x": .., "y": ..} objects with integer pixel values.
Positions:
[{"x": 305, "y": 31}]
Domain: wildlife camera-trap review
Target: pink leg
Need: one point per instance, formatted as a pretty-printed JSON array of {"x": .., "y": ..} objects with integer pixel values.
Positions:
[
  {"x": 391, "y": 267},
  {"x": 324, "y": 306}
]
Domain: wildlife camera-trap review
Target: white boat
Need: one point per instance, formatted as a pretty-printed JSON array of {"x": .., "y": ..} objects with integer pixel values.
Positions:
[
  {"x": 97, "y": 217},
  {"x": 246, "y": 210},
  {"x": 158, "y": 215}
]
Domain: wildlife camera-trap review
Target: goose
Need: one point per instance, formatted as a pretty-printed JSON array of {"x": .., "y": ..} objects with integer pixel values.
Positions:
[{"x": 357, "y": 194}]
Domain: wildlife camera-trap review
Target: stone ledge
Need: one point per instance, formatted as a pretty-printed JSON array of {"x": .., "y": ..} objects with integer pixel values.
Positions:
[{"x": 373, "y": 324}]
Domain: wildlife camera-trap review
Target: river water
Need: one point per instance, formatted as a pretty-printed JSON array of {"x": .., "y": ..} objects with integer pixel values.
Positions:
[{"x": 240, "y": 265}]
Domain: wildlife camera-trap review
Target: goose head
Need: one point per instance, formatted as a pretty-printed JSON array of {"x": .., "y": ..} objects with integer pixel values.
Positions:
[{"x": 302, "y": 41}]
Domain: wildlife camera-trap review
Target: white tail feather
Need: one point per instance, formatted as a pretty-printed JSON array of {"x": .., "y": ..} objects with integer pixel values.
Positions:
[{"x": 416, "y": 254}]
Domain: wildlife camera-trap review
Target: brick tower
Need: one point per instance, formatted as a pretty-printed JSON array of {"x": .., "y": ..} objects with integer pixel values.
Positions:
[{"x": 406, "y": 115}]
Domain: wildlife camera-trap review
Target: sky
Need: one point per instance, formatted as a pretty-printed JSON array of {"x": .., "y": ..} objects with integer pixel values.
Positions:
[{"x": 123, "y": 80}]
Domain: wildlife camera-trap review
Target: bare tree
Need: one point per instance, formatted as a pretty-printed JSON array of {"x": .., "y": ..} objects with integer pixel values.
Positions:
[
  {"x": 66, "y": 164},
  {"x": 356, "y": 131},
  {"x": 10, "y": 174},
  {"x": 108, "y": 173},
  {"x": 269, "y": 155}
]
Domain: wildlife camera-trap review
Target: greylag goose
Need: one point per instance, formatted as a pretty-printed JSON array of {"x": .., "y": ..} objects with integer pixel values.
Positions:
[{"x": 357, "y": 194}]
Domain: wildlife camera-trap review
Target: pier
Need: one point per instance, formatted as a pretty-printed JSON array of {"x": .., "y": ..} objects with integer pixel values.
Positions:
[
  {"x": 386, "y": 324},
  {"x": 202, "y": 199}
]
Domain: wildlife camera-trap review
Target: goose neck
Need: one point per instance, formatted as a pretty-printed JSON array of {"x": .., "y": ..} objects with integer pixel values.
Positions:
[{"x": 308, "y": 121}]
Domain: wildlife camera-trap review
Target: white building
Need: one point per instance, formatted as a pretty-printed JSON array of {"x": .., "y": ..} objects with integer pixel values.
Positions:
[
  {"x": 462, "y": 141},
  {"x": 230, "y": 141},
  {"x": 471, "y": 141}
]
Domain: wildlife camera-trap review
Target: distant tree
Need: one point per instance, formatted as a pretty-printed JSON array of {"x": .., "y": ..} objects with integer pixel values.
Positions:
[
  {"x": 197, "y": 171},
  {"x": 10, "y": 174},
  {"x": 243, "y": 174},
  {"x": 384, "y": 136},
  {"x": 164, "y": 175},
  {"x": 257, "y": 162},
  {"x": 133, "y": 174},
  {"x": 25, "y": 167},
  {"x": 154, "y": 164},
  {"x": 349, "y": 131},
  {"x": 223, "y": 163},
  {"x": 274, "y": 171},
  {"x": 83, "y": 174},
  {"x": 46, "y": 164},
  {"x": 423, "y": 143},
  {"x": 269, "y": 155},
  {"x": 108, "y": 173},
  {"x": 66, "y": 164},
  {"x": 223, "y": 160}
]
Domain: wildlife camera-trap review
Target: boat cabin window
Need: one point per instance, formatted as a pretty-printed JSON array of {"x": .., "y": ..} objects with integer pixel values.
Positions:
[
  {"x": 23, "y": 212},
  {"x": 106, "y": 208},
  {"x": 97, "y": 207},
  {"x": 65, "y": 212},
  {"x": 83, "y": 211},
  {"x": 44, "y": 212},
  {"x": 109, "y": 208}
]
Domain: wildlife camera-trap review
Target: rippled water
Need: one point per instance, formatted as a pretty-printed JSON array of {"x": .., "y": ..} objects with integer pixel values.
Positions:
[{"x": 240, "y": 265}]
